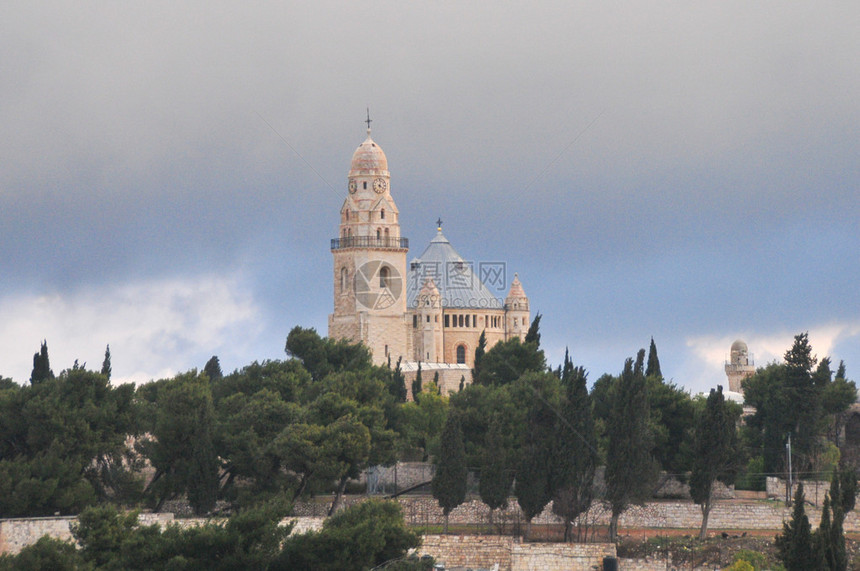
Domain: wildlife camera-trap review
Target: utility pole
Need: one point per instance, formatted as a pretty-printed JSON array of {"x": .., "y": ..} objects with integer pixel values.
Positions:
[{"x": 788, "y": 482}]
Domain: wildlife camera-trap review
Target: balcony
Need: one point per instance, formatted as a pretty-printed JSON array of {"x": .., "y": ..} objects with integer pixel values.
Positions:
[{"x": 370, "y": 242}]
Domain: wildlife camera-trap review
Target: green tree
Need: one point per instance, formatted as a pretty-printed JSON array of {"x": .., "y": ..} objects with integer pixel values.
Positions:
[
  {"x": 182, "y": 448},
  {"x": 533, "y": 334},
  {"x": 416, "y": 383},
  {"x": 323, "y": 356},
  {"x": 630, "y": 467},
  {"x": 652, "y": 369},
  {"x": 480, "y": 351},
  {"x": 361, "y": 537},
  {"x": 715, "y": 453},
  {"x": 449, "y": 481},
  {"x": 508, "y": 360},
  {"x": 398, "y": 383},
  {"x": 795, "y": 544},
  {"x": 46, "y": 553},
  {"x": 62, "y": 444},
  {"x": 533, "y": 487},
  {"x": 212, "y": 368},
  {"x": 497, "y": 477},
  {"x": 106, "y": 368},
  {"x": 798, "y": 398},
  {"x": 574, "y": 457},
  {"x": 672, "y": 419},
  {"x": 41, "y": 366}
]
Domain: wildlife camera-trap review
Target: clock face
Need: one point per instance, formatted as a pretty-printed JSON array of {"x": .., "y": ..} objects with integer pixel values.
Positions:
[
  {"x": 353, "y": 186},
  {"x": 379, "y": 185}
]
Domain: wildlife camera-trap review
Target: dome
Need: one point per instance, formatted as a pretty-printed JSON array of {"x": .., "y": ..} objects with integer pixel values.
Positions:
[
  {"x": 739, "y": 347},
  {"x": 368, "y": 160}
]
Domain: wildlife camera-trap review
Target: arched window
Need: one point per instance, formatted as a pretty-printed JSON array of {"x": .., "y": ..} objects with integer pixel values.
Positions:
[
  {"x": 382, "y": 214},
  {"x": 386, "y": 233},
  {"x": 343, "y": 276},
  {"x": 347, "y": 214},
  {"x": 461, "y": 354},
  {"x": 383, "y": 276},
  {"x": 378, "y": 233}
]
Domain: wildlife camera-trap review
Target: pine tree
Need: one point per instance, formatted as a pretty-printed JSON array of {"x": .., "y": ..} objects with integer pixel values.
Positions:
[
  {"x": 449, "y": 481},
  {"x": 653, "y": 368},
  {"x": 630, "y": 467},
  {"x": 795, "y": 544},
  {"x": 106, "y": 368},
  {"x": 41, "y": 366}
]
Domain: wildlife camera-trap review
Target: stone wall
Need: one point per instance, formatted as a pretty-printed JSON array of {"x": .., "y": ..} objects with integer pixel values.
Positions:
[
  {"x": 813, "y": 490},
  {"x": 469, "y": 550},
  {"x": 18, "y": 533},
  {"x": 560, "y": 556},
  {"x": 725, "y": 515},
  {"x": 485, "y": 551}
]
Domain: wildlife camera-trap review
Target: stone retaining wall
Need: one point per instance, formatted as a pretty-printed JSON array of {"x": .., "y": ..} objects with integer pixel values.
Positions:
[
  {"x": 482, "y": 551},
  {"x": 485, "y": 551},
  {"x": 560, "y": 556},
  {"x": 18, "y": 533}
]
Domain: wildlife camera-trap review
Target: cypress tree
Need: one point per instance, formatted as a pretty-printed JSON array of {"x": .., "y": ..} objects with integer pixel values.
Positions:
[
  {"x": 575, "y": 450},
  {"x": 630, "y": 467},
  {"x": 398, "y": 382},
  {"x": 533, "y": 334},
  {"x": 653, "y": 368},
  {"x": 106, "y": 368},
  {"x": 795, "y": 544},
  {"x": 449, "y": 481},
  {"x": 213, "y": 369},
  {"x": 416, "y": 384},
  {"x": 479, "y": 354},
  {"x": 41, "y": 366},
  {"x": 496, "y": 479},
  {"x": 715, "y": 450}
]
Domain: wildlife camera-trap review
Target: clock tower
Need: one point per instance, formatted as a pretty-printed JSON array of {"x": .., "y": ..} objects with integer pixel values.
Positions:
[{"x": 370, "y": 261}]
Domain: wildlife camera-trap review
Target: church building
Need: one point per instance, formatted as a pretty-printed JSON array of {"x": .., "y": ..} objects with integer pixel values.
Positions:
[{"x": 432, "y": 311}]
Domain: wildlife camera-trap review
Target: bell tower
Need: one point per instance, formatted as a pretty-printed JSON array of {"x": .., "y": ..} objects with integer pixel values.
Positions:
[{"x": 370, "y": 260}]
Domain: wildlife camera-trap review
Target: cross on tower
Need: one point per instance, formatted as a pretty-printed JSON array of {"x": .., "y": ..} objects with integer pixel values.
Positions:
[
  {"x": 439, "y": 224},
  {"x": 368, "y": 120}
]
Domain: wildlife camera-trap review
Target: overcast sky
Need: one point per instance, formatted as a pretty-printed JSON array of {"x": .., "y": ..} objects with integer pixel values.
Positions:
[{"x": 171, "y": 173}]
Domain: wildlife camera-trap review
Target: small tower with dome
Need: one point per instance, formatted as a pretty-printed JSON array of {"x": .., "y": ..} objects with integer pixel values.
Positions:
[{"x": 739, "y": 366}]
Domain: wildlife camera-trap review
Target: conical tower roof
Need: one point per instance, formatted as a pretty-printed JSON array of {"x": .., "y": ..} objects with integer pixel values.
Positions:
[{"x": 453, "y": 276}]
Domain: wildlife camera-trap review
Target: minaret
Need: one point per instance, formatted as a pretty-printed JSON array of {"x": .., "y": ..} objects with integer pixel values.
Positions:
[
  {"x": 516, "y": 311},
  {"x": 370, "y": 261},
  {"x": 739, "y": 367}
]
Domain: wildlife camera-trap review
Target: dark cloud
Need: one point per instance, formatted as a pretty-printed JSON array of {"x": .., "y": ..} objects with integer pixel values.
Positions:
[{"x": 688, "y": 172}]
